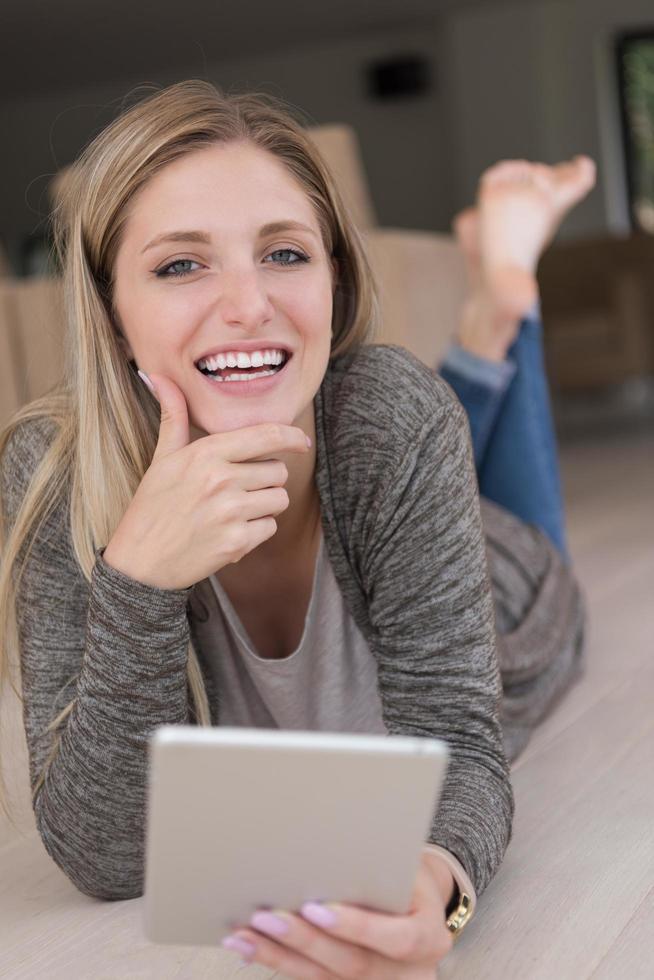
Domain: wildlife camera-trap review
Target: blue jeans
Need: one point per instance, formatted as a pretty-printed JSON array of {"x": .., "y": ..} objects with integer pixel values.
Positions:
[{"x": 512, "y": 431}]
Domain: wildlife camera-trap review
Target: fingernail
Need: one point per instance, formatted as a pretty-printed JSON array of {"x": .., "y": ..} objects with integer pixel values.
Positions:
[
  {"x": 266, "y": 922},
  {"x": 237, "y": 945},
  {"x": 318, "y": 914},
  {"x": 143, "y": 376},
  {"x": 308, "y": 441}
]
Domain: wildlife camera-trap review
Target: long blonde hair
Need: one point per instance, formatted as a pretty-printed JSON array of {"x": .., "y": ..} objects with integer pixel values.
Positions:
[{"x": 105, "y": 423}]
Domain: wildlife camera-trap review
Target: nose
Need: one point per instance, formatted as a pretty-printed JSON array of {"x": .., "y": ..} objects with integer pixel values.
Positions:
[{"x": 243, "y": 299}]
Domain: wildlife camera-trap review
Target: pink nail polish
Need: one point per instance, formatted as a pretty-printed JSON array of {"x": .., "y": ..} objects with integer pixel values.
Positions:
[
  {"x": 272, "y": 925},
  {"x": 237, "y": 945},
  {"x": 143, "y": 376},
  {"x": 318, "y": 914}
]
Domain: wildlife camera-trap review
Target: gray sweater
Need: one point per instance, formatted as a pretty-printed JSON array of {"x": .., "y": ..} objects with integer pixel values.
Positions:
[{"x": 402, "y": 527}]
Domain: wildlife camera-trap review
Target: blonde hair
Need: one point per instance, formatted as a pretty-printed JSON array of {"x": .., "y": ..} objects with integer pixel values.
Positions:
[{"x": 106, "y": 424}]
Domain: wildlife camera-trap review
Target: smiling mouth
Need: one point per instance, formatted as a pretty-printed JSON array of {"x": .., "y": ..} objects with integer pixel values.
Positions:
[{"x": 234, "y": 374}]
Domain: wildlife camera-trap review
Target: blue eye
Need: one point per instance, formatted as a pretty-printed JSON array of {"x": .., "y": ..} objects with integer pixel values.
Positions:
[
  {"x": 296, "y": 259},
  {"x": 163, "y": 272},
  {"x": 300, "y": 257}
]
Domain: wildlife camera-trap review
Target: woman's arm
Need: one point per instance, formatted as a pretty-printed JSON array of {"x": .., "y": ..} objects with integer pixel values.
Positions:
[
  {"x": 432, "y": 609},
  {"x": 424, "y": 572},
  {"x": 118, "y": 648}
]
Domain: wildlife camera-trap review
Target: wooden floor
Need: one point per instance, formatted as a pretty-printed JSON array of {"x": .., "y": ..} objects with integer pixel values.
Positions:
[{"x": 574, "y": 898}]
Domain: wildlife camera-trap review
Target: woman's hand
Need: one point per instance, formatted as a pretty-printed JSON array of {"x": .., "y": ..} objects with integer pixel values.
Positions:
[
  {"x": 202, "y": 504},
  {"x": 360, "y": 944}
]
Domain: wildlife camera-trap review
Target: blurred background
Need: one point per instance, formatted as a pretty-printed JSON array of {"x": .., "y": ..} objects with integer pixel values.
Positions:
[
  {"x": 410, "y": 101},
  {"x": 430, "y": 92}
]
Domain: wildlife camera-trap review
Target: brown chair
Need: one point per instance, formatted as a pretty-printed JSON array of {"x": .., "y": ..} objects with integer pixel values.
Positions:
[{"x": 598, "y": 311}]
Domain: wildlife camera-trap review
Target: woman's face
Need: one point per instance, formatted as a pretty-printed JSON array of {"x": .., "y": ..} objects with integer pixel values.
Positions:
[{"x": 247, "y": 271}]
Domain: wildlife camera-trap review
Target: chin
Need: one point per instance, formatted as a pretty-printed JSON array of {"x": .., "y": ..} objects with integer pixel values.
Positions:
[{"x": 243, "y": 417}]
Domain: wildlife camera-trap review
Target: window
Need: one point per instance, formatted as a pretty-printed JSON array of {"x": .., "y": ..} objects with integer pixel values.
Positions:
[{"x": 635, "y": 54}]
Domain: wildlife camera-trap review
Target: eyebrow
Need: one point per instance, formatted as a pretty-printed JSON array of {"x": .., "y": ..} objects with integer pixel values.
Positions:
[{"x": 272, "y": 228}]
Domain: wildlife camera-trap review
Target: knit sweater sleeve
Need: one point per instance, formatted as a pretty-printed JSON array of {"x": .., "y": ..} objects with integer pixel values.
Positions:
[
  {"x": 408, "y": 509},
  {"x": 116, "y": 649}
]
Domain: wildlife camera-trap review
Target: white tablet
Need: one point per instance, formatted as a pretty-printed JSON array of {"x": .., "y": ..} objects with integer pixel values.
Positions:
[{"x": 247, "y": 818}]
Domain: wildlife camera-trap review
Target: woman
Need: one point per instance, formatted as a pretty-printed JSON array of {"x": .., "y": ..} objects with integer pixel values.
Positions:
[{"x": 168, "y": 557}]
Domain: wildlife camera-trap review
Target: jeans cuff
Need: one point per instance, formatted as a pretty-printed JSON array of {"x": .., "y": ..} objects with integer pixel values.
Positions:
[
  {"x": 491, "y": 374},
  {"x": 534, "y": 313}
]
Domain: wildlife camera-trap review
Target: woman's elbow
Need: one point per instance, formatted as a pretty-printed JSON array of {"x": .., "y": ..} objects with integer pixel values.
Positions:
[{"x": 102, "y": 876}]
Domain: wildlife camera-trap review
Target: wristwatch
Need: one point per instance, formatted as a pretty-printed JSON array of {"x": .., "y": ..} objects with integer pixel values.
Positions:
[
  {"x": 459, "y": 913},
  {"x": 462, "y": 906}
]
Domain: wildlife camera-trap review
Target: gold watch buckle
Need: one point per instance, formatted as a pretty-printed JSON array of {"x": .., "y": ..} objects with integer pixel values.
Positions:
[{"x": 460, "y": 916}]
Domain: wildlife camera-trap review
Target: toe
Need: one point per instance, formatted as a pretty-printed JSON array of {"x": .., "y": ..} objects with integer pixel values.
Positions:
[
  {"x": 466, "y": 226},
  {"x": 587, "y": 167},
  {"x": 574, "y": 180},
  {"x": 508, "y": 171}
]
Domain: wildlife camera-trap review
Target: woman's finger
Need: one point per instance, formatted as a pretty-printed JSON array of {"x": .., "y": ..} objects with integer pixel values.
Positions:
[
  {"x": 403, "y": 938},
  {"x": 339, "y": 940},
  {"x": 258, "y": 476},
  {"x": 420, "y": 936},
  {"x": 287, "y": 943},
  {"x": 257, "y": 442},
  {"x": 263, "y": 503}
]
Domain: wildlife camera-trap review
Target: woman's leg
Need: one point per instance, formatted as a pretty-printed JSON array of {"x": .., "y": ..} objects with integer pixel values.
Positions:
[
  {"x": 481, "y": 386},
  {"x": 520, "y": 470},
  {"x": 512, "y": 431},
  {"x": 497, "y": 367}
]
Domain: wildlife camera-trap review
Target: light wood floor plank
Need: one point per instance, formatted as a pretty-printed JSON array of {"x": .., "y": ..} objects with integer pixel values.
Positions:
[
  {"x": 628, "y": 956},
  {"x": 50, "y": 931},
  {"x": 582, "y": 858},
  {"x": 615, "y": 630}
]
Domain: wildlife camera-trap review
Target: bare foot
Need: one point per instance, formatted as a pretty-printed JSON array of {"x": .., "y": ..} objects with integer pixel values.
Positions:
[{"x": 520, "y": 207}]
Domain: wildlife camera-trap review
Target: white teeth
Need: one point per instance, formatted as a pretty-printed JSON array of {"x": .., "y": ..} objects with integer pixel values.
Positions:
[
  {"x": 243, "y": 377},
  {"x": 241, "y": 359}
]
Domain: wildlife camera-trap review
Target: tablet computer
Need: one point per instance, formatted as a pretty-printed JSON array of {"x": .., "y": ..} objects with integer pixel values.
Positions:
[{"x": 245, "y": 818}]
